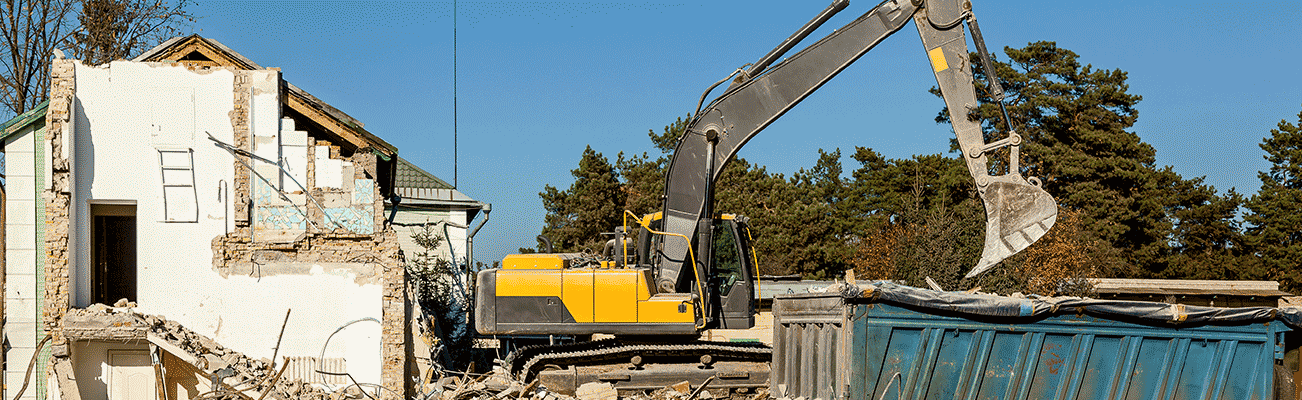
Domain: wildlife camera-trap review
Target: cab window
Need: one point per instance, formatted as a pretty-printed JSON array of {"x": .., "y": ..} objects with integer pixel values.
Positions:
[{"x": 727, "y": 260}]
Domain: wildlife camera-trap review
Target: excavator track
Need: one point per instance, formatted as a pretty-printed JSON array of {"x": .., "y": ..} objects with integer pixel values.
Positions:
[{"x": 528, "y": 361}]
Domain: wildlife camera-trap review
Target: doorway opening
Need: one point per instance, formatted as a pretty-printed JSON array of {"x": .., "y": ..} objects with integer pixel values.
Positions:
[{"x": 113, "y": 252}]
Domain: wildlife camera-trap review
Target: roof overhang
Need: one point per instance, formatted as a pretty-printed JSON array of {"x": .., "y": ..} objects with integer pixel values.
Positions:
[{"x": 35, "y": 116}]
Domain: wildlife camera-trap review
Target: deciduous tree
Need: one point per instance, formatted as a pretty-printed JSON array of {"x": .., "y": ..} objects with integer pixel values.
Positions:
[
  {"x": 95, "y": 31},
  {"x": 120, "y": 29},
  {"x": 32, "y": 30}
]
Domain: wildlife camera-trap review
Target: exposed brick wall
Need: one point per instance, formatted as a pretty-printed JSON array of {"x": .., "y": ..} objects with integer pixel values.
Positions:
[
  {"x": 394, "y": 371},
  {"x": 58, "y": 196},
  {"x": 240, "y": 127},
  {"x": 237, "y": 249}
]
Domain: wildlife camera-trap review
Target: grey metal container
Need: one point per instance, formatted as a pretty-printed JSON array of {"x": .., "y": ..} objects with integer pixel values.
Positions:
[{"x": 831, "y": 347}]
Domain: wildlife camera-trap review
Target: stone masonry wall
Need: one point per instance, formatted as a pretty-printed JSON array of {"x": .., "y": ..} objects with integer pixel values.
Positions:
[
  {"x": 394, "y": 370},
  {"x": 58, "y": 196},
  {"x": 240, "y": 128}
]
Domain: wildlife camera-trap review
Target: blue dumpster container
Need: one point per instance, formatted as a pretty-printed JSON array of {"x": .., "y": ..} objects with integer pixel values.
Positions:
[{"x": 895, "y": 342}]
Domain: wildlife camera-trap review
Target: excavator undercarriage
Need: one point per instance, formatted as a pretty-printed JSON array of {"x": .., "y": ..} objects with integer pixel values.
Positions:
[{"x": 634, "y": 364}]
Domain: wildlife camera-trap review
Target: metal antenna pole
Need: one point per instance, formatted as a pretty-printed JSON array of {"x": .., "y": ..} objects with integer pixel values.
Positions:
[{"x": 454, "y": 94}]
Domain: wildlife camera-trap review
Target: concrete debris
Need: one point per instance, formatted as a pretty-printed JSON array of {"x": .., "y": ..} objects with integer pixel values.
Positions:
[
  {"x": 597, "y": 391},
  {"x": 251, "y": 377},
  {"x": 683, "y": 387},
  {"x": 500, "y": 385}
]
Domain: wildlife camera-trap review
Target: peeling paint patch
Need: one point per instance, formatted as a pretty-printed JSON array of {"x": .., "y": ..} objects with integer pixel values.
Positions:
[
  {"x": 275, "y": 217},
  {"x": 358, "y": 273},
  {"x": 354, "y": 219},
  {"x": 287, "y": 218},
  {"x": 363, "y": 191}
]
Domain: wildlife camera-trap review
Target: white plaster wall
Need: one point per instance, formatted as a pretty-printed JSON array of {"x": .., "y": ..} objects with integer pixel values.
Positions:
[
  {"x": 116, "y": 160},
  {"x": 456, "y": 237},
  {"x": 90, "y": 364},
  {"x": 293, "y": 152},
  {"x": 329, "y": 171},
  {"x": 20, "y": 327},
  {"x": 408, "y": 222}
]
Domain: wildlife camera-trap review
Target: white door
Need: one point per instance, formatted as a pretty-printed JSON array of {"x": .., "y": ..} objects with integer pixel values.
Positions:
[{"x": 131, "y": 375}]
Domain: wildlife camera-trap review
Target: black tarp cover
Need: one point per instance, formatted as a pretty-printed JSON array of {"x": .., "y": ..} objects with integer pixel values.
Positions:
[{"x": 977, "y": 304}]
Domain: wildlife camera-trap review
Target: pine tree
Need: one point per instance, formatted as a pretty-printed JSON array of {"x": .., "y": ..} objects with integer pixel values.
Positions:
[
  {"x": 577, "y": 216},
  {"x": 1077, "y": 122},
  {"x": 1208, "y": 239},
  {"x": 922, "y": 219},
  {"x": 1275, "y": 212}
]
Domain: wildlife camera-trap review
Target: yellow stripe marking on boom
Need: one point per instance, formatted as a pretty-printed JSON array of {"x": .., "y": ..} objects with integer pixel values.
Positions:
[{"x": 937, "y": 56}]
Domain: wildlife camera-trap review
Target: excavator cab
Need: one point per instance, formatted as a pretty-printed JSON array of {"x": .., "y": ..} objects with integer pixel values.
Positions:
[
  {"x": 733, "y": 273},
  {"x": 729, "y": 278}
]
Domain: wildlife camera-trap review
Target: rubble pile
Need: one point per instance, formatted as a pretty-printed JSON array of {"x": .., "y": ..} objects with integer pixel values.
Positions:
[
  {"x": 243, "y": 377},
  {"x": 244, "y": 374},
  {"x": 255, "y": 373},
  {"x": 498, "y": 385}
]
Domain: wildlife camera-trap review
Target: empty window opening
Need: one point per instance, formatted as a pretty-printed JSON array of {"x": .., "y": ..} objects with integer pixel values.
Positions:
[
  {"x": 194, "y": 56},
  {"x": 113, "y": 252}
]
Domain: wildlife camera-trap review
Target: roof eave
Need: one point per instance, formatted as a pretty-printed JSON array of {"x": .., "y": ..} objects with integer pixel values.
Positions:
[{"x": 16, "y": 124}]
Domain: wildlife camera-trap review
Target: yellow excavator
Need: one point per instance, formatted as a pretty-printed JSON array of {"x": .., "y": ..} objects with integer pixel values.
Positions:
[{"x": 692, "y": 268}]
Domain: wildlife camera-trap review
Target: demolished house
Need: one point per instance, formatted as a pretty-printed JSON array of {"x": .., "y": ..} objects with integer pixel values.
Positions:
[{"x": 189, "y": 222}]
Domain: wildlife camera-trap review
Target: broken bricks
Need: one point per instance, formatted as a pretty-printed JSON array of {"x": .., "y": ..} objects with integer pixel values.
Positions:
[{"x": 99, "y": 322}]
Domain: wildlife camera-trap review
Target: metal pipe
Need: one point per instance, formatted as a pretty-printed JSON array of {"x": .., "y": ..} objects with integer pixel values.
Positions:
[
  {"x": 276, "y": 350},
  {"x": 459, "y": 280},
  {"x": 393, "y": 213},
  {"x": 810, "y": 27},
  {"x": 488, "y": 208},
  {"x": 319, "y": 358},
  {"x": 705, "y": 228},
  {"x": 546, "y": 245},
  {"x": 992, "y": 75},
  {"x": 470, "y": 239}
]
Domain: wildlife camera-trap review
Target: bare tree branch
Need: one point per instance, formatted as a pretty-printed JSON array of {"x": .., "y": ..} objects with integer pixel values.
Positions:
[
  {"x": 31, "y": 30},
  {"x": 119, "y": 29},
  {"x": 95, "y": 31}
]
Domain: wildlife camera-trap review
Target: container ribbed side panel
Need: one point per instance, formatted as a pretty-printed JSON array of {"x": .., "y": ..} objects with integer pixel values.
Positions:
[{"x": 826, "y": 347}]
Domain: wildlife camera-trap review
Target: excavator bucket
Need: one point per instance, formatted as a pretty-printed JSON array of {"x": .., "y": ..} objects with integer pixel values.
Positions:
[{"x": 1017, "y": 214}]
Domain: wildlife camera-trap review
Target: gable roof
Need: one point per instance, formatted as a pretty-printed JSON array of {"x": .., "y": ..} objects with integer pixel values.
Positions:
[{"x": 200, "y": 51}]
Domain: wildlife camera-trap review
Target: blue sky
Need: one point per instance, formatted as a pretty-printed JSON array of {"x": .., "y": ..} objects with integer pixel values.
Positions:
[{"x": 538, "y": 81}]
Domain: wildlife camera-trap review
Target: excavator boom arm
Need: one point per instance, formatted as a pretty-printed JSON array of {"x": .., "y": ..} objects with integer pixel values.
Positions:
[{"x": 759, "y": 97}]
